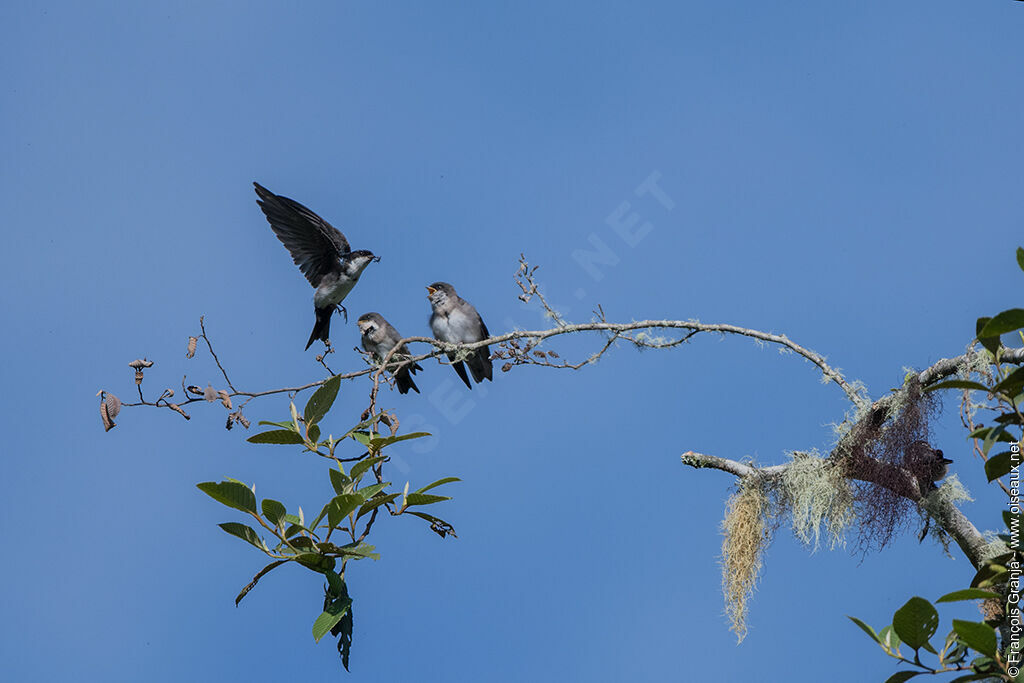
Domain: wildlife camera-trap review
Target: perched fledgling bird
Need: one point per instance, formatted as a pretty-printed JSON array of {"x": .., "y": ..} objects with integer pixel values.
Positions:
[
  {"x": 320, "y": 251},
  {"x": 454, "y": 320},
  {"x": 379, "y": 337},
  {"x": 928, "y": 464}
]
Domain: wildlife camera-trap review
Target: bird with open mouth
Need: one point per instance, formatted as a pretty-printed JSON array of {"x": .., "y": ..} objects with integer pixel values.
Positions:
[{"x": 320, "y": 251}]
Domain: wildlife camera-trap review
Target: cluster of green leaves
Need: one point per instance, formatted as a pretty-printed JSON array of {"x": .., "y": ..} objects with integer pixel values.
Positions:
[
  {"x": 915, "y": 623},
  {"x": 358, "y": 496},
  {"x": 971, "y": 647}
]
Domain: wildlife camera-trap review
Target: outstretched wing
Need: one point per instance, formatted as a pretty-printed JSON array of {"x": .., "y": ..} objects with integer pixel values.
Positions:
[{"x": 315, "y": 244}]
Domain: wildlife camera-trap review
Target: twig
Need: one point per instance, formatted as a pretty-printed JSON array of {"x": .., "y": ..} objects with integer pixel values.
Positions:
[{"x": 215, "y": 359}]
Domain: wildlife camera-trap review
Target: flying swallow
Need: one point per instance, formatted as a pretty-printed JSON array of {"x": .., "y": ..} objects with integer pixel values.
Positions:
[
  {"x": 454, "y": 320},
  {"x": 320, "y": 251},
  {"x": 379, "y": 337}
]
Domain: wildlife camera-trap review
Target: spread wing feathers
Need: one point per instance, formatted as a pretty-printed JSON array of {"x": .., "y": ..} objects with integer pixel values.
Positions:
[{"x": 315, "y": 244}]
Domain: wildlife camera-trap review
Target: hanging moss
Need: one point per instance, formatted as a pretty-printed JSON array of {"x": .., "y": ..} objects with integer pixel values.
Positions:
[
  {"x": 817, "y": 494},
  {"x": 747, "y": 531}
]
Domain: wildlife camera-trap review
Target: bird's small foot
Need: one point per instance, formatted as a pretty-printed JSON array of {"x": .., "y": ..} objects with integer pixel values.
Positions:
[{"x": 343, "y": 312}]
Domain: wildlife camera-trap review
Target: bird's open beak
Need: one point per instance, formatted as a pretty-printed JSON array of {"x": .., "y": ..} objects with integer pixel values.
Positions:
[
  {"x": 430, "y": 290},
  {"x": 376, "y": 259}
]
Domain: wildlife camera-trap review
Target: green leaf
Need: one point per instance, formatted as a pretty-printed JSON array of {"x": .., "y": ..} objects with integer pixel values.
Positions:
[
  {"x": 990, "y": 343},
  {"x": 302, "y": 543},
  {"x": 276, "y": 436},
  {"x": 867, "y": 629},
  {"x": 424, "y": 499},
  {"x": 246, "y": 533},
  {"x": 340, "y": 481},
  {"x": 439, "y": 482},
  {"x": 382, "y": 441},
  {"x": 362, "y": 437},
  {"x": 321, "y": 400},
  {"x": 1013, "y": 522},
  {"x": 330, "y": 616},
  {"x": 998, "y": 465},
  {"x": 368, "y": 492},
  {"x": 341, "y": 506},
  {"x": 363, "y": 465},
  {"x": 979, "y": 636},
  {"x": 997, "y": 434},
  {"x": 1011, "y": 384},
  {"x": 316, "y": 561},
  {"x": 443, "y": 528},
  {"x": 294, "y": 529},
  {"x": 890, "y": 639},
  {"x": 359, "y": 550},
  {"x": 967, "y": 594},
  {"x": 1020, "y": 257},
  {"x": 1008, "y": 418},
  {"x": 901, "y": 676},
  {"x": 374, "y": 503},
  {"x": 313, "y": 433},
  {"x": 335, "y": 584},
  {"x": 1004, "y": 322},
  {"x": 283, "y": 425},
  {"x": 989, "y": 575},
  {"x": 915, "y": 622},
  {"x": 273, "y": 511},
  {"x": 980, "y": 433},
  {"x": 231, "y": 493},
  {"x": 958, "y": 384}
]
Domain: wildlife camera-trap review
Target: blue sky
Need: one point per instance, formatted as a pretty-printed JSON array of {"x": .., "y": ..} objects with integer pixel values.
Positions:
[{"x": 846, "y": 174}]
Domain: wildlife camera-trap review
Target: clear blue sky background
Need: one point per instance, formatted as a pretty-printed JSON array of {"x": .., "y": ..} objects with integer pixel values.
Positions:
[{"x": 848, "y": 174}]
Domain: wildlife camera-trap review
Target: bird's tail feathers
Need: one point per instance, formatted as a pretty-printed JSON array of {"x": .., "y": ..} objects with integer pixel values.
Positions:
[
  {"x": 322, "y": 327},
  {"x": 480, "y": 365},
  {"x": 404, "y": 382}
]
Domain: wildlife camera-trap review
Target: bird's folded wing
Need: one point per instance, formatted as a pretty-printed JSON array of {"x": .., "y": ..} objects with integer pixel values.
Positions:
[{"x": 315, "y": 244}]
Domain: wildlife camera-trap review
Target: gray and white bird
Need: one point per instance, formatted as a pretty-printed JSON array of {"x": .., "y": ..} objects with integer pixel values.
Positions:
[
  {"x": 928, "y": 464},
  {"x": 454, "y": 320},
  {"x": 320, "y": 251},
  {"x": 379, "y": 337}
]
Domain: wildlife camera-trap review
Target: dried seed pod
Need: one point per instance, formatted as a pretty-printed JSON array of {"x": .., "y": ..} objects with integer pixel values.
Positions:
[
  {"x": 108, "y": 424},
  {"x": 140, "y": 363},
  {"x": 210, "y": 394},
  {"x": 553, "y": 354},
  {"x": 168, "y": 392},
  {"x": 138, "y": 377},
  {"x": 229, "y": 424},
  {"x": 113, "y": 404},
  {"x": 506, "y": 367},
  {"x": 191, "y": 351},
  {"x": 386, "y": 419},
  {"x": 241, "y": 419},
  {"x": 176, "y": 408},
  {"x": 110, "y": 406},
  {"x": 539, "y": 354},
  {"x": 194, "y": 389},
  {"x": 225, "y": 399}
]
